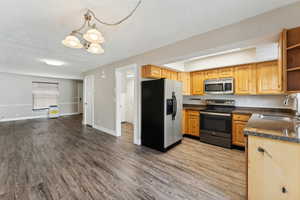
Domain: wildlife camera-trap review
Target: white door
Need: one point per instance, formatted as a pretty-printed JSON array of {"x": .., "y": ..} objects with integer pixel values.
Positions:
[{"x": 89, "y": 100}]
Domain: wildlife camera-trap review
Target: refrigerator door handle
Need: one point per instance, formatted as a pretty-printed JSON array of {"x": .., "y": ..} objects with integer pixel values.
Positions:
[{"x": 174, "y": 105}]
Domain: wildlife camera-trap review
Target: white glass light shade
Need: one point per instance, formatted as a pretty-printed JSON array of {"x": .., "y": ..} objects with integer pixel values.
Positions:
[
  {"x": 93, "y": 36},
  {"x": 95, "y": 48},
  {"x": 72, "y": 42}
]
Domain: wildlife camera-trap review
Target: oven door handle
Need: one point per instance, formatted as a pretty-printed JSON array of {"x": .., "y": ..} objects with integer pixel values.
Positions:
[{"x": 213, "y": 113}]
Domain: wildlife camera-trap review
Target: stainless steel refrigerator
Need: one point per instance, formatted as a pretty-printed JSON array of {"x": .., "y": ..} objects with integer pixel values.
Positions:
[{"x": 161, "y": 113}]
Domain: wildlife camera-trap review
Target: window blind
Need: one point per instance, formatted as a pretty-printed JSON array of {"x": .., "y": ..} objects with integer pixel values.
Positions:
[{"x": 44, "y": 94}]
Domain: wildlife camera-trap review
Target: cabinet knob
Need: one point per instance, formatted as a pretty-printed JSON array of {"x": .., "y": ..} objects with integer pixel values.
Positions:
[{"x": 284, "y": 190}]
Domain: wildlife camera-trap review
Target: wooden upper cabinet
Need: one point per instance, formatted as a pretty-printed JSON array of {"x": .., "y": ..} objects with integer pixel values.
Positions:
[
  {"x": 211, "y": 74},
  {"x": 165, "y": 73},
  {"x": 185, "y": 78},
  {"x": 245, "y": 79},
  {"x": 197, "y": 83},
  {"x": 225, "y": 72},
  {"x": 174, "y": 75},
  {"x": 151, "y": 71},
  {"x": 269, "y": 78}
]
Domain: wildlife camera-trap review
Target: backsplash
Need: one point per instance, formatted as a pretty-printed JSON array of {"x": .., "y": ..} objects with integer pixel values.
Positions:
[{"x": 267, "y": 101}]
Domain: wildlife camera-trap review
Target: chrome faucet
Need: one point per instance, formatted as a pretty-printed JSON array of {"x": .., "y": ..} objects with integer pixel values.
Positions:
[{"x": 295, "y": 98}]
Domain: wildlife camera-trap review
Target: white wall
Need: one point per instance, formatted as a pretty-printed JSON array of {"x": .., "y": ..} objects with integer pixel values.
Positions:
[
  {"x": 16, "y": 96},
  {"x": 127, "y": 97},
  {"x": 265, "y": 101},
  {"x": 228, "y": 37}
]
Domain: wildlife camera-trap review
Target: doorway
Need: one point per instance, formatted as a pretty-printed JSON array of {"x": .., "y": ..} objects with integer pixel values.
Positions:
[
  {"x": 88, "y": 107},
  {"x": 127, "y": 81}
]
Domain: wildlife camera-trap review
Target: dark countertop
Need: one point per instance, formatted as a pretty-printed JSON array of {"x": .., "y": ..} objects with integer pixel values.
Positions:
[
  {"x": 274, "y": 127},
  {"x": 279, "y": 124},
  {"x": 247, "y": 110}
]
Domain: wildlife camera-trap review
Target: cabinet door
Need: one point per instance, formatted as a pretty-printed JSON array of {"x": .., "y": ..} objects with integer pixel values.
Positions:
[
  {"x": 225, "y": 72},
  {"x": 184, "y": 77},
  {"x": 183, "y": 122},
  {"x": 211, "y": 74},
  {"x": 193, "y": 123},
  {"x": 151, "y": 71},
  {"x": 165, "y": 73},
  {"x": 197, "y": 82},
  {"x": 269, "y": 78},
  {"x": 238, "y": 137},
  {"x": 274, "y": 174},
  {"x": 245, "y": 79},
  {"x": 174, "y": 75}
]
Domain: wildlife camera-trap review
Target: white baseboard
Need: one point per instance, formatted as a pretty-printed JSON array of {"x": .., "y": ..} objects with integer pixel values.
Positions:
[
  {"x": 105, "y": 130},
  {"x": 33, "y": 117},
  {"x": 22, "y": 118}
]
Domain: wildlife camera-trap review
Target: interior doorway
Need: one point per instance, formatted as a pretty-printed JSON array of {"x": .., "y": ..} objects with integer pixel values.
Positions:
[
  {"x": 127, "y": 102},
  {"x": 88, "y": 107}
]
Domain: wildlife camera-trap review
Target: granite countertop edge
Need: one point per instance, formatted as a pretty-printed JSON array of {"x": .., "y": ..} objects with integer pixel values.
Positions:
[{"x": 271, "y": 136}]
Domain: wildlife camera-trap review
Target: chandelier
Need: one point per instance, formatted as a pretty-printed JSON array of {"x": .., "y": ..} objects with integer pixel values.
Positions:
[{"x": 88, "y": 36}]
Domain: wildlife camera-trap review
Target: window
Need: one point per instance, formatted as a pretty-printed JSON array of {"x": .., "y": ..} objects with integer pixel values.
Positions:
[{"x": 44, "y": 95}]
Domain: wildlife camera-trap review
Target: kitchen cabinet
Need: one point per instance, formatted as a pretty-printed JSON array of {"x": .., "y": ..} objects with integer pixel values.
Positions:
[
  {"x": 245, "y": 79},
  {"x": 238, "y": 124},
  {"x": 193, "y": 123},
  {"x": 185, "y": 78},
  {"x": 174, "y": 75},
  {"x": 197, "y": 83},
  {"x": 151, "y": 71},
  {"x": 269, "y": 78},
  {"x": 183, "y": 122},
  {"x": 225, "y": 72},
  {"x": 165, "y": 73},
  {"x": 273, "y": 169},
  {"x": 211, "y": 74}
]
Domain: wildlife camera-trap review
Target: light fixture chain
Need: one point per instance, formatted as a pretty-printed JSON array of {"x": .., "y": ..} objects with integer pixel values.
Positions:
[{"x": 118, "y": 22}]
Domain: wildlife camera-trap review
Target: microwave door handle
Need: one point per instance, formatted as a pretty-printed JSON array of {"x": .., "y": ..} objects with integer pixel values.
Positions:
[{"x": 174, "y": 106}]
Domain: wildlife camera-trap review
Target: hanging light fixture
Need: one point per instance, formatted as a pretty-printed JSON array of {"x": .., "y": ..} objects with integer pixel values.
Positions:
[{"x": 92, "y": 38}]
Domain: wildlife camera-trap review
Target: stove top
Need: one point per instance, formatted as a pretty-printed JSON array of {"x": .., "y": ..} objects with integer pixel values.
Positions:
[
  {"x": 219, "y": 109},
  {"x": 220, "y": 105}
]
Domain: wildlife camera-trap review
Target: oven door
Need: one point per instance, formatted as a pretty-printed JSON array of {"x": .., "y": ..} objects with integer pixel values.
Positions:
[
  {"x": 214, "y": 88},
  {"x": 216, "y": 122}
]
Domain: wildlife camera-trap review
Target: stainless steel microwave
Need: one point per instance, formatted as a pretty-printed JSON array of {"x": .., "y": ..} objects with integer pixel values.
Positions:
[{"x": 219, "y": 86}]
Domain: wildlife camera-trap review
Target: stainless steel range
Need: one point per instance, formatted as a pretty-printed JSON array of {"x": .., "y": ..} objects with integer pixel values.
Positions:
[{"x": 216, "y": 122}]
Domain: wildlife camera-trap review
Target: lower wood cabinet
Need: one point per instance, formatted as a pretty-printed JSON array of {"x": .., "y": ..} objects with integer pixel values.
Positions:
[
  {"x": 193, "y": 123},
  {"x": 238, "y": 124},
  {"x": 273, "y": 169}
]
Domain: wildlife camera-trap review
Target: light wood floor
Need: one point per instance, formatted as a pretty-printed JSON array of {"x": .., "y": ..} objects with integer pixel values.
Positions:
[{"x": 60, "y": 159}]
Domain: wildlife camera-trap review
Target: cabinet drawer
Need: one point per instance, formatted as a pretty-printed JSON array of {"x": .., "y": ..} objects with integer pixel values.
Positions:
[
  {"x": 193, "y": 113},
  {"x": 240, "y": 117}
]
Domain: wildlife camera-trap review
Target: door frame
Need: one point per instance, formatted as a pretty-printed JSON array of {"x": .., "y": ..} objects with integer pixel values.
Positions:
[
  {"x": 92, "y": 77},
  {"x": 137, "y": 89}
]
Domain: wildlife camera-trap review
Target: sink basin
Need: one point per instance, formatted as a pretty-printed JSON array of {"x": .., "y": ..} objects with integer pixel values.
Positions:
[{"x": 277, "y": 117}]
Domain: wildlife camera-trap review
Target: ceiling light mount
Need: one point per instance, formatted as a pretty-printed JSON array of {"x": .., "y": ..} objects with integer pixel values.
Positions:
[{"x": 91, "y": 39}]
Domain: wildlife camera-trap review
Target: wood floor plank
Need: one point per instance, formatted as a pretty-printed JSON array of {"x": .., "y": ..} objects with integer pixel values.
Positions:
[{"x": 60, "y": 159}]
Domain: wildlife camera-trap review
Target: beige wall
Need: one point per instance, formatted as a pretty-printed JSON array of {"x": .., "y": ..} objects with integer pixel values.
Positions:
[
  {"x": 229, "y": 37},
  {"x": 16, "y": 96}
]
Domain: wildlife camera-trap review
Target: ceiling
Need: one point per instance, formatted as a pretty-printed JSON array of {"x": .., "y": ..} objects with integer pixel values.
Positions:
[{"x": 33, "y": 29}]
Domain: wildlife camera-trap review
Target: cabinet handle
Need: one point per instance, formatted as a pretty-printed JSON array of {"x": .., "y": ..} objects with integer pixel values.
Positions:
[
  {"x": 262, "y": 150},
  {"x": 284, "y": 190}
]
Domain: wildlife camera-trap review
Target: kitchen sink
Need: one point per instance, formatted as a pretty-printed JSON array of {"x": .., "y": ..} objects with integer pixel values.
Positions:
[{"x": 277, "y": 117}]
